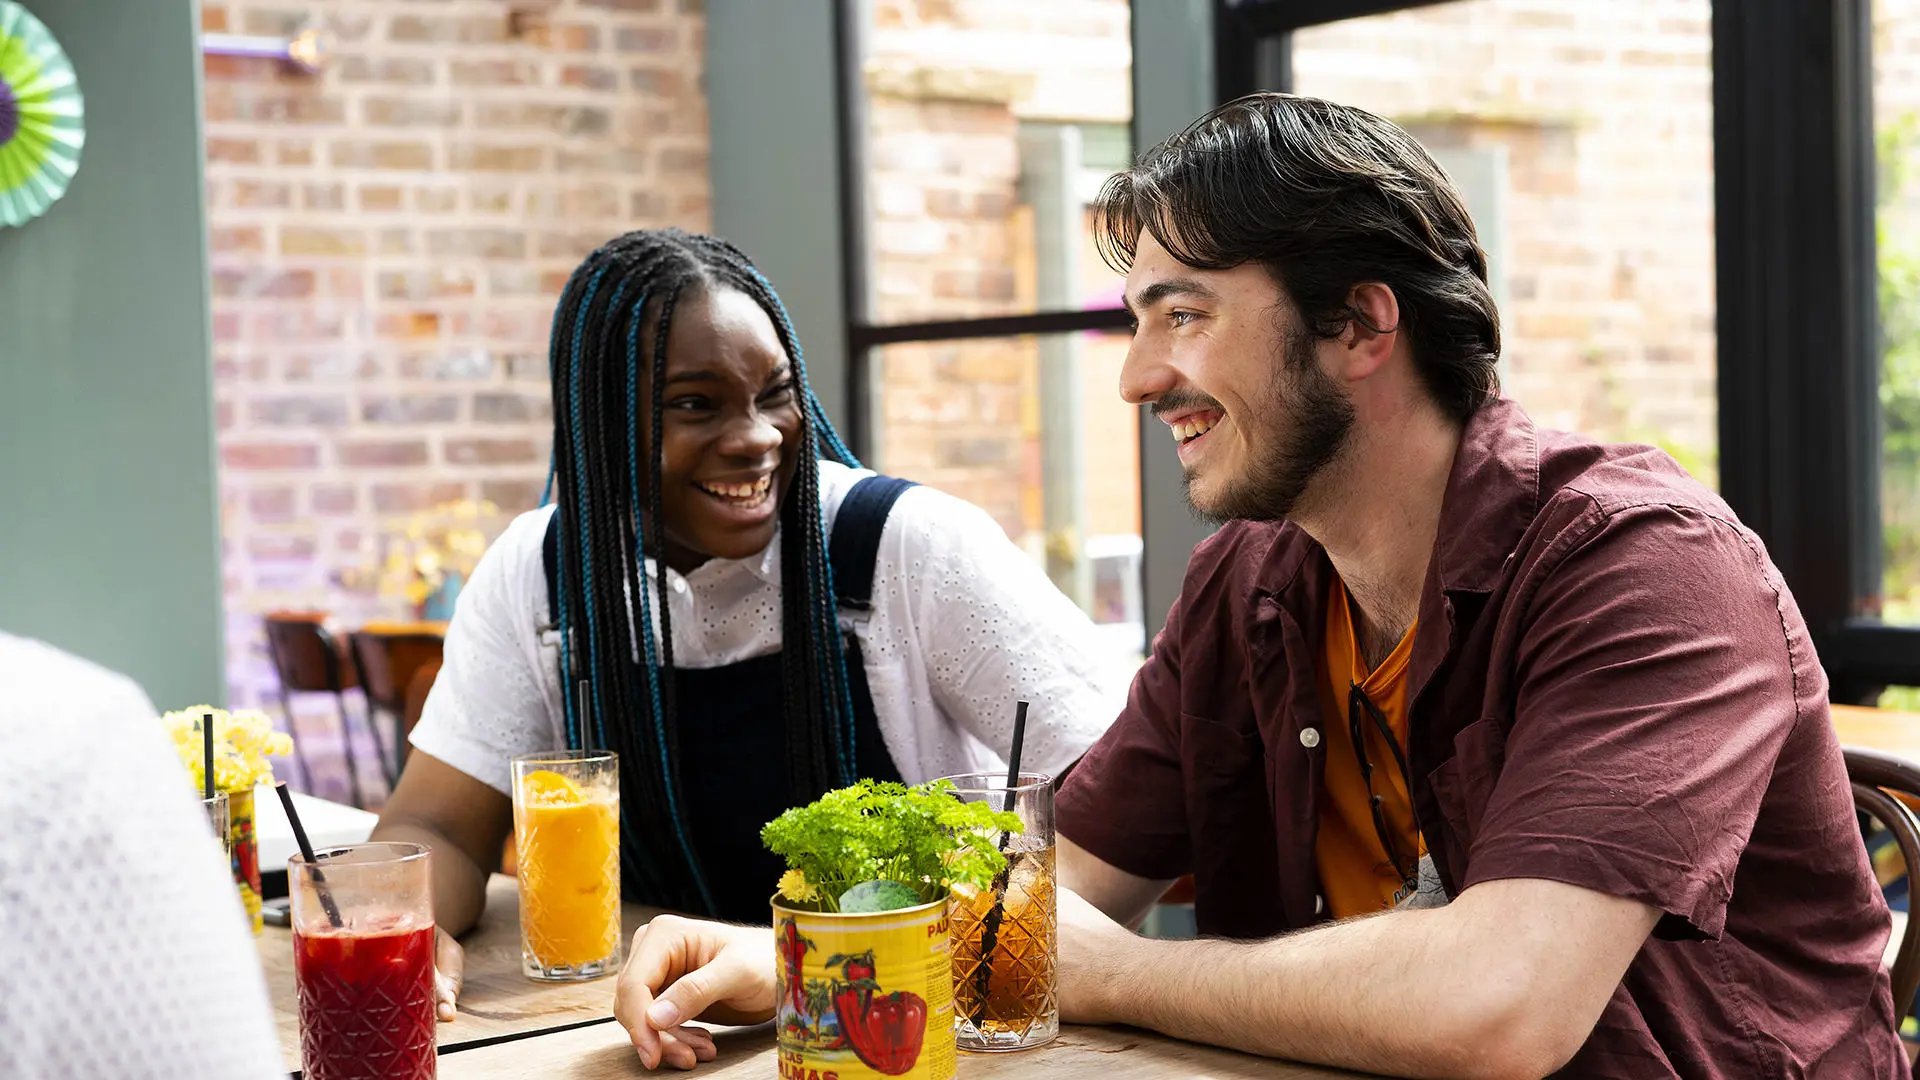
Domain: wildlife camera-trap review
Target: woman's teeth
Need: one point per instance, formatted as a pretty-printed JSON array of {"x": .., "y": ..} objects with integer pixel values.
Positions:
[
  {"x": 1191, "y": 429},
  {"x": 746, "y": 493}
]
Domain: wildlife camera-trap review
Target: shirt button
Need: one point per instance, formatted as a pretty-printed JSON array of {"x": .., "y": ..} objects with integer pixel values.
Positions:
[
  {"x": 1309, "y": 737},
  {"x": 680, "y": 585}
]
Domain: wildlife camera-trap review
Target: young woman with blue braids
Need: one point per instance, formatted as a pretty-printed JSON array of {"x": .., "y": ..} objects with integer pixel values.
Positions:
[{"x": 795, "y": 623}]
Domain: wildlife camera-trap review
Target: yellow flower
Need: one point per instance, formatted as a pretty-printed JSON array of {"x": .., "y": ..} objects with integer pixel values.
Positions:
[
  {"x": 242, "y": 742},
  {"x": 794, "y": 886},
  {"x": 418, "y": 556}
]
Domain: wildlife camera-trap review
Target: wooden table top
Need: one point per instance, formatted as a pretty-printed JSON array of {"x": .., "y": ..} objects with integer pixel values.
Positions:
[
  {"x": 512, "y": 1026},
  {"x": 400, "y": 629},
  {"x": 603, "y": 1051},
  {"x": 1896, "y": 733}
]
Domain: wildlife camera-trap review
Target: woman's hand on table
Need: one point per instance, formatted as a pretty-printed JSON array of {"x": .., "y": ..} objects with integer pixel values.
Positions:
[
  {"x": 449, "y": 967},
  {"x": 685, "y": 969}
]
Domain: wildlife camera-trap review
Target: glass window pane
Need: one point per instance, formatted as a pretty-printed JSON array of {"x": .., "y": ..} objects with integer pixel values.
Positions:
[
  {"x": 1581, "y": 136},
  {"x": 1031, "y": 429},
  {"x": 1896, "y": 116},
  {"x": 990, "y": 124}
]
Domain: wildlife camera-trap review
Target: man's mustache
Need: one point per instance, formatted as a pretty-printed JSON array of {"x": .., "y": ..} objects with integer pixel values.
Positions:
[{"x": 1174, "y": 400}]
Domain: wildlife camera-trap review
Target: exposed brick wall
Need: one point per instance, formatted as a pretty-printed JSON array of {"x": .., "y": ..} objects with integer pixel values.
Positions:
[
  {"x": 1896, "y": 58},
  {"x": 388, "y": 240},
  {"x": 943, "y": 175}
]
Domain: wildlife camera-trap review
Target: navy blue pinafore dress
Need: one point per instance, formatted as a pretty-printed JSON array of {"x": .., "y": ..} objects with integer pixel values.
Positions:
[{"x": 732, "y": 724}]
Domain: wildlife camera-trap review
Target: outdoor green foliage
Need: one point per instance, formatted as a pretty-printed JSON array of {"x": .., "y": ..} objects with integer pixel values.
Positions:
[
  {"x": 922, "y": 837},
  {"x": 1897, "y": 234}
]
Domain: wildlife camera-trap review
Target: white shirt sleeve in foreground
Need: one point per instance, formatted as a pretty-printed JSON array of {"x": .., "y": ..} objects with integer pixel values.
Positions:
[{"x": 124, "y": 951}]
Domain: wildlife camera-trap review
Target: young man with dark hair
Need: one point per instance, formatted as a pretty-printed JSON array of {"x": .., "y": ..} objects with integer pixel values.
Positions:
[
  {"x": 1548, "y": 694},
  {"x": 1493, "y": 751}
]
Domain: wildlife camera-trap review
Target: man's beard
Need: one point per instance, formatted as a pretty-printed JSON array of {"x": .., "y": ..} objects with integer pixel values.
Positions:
[{"x": 1304, "y": 424}]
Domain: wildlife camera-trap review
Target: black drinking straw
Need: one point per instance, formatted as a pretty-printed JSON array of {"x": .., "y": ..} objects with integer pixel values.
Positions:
[
  {"x": 306, "y": 850},
  {"x": 1013, "y": 762},
  {"x": 206, "y": 740},
  {"x": 990, "y": 926}
]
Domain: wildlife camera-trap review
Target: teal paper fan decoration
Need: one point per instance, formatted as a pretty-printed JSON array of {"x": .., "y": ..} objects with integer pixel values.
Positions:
[{"x": 40, "y": 117}]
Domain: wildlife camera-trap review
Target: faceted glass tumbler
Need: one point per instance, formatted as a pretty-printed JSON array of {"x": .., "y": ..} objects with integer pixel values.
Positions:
[
  {"x": 363, "y": 937},
  {"x": 1004, "y": 939},
  {"x": 566, "y": 820}
]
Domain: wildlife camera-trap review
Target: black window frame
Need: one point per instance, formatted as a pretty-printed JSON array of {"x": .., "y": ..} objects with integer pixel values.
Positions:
[
  {"x": 1797, "y": 323},
  {"x": 863, "y": 334},
  {"x": 1172, "y": 83}
]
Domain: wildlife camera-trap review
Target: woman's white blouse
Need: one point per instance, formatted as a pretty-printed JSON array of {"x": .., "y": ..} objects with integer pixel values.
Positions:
[{"x": 962, "y": 626}]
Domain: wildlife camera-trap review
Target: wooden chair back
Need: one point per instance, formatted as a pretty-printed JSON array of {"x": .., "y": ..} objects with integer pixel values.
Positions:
[
  {"x": 1877, "y": 778},
  {"x": 307, "y": 657},
  {"x": 388, "y": 662},
  {"x": 418, "y": 688}
]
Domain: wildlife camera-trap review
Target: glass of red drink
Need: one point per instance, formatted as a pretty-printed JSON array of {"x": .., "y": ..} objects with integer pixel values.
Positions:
[{"x": 363, "y": 962}]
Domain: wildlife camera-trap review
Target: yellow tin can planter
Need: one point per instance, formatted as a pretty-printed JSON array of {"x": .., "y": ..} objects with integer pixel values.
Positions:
[
  {"x": 864, "y": 995},
  {"x": 246, "y": 855}
]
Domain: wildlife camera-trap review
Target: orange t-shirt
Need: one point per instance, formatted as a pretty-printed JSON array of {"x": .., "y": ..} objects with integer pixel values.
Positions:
[{"x": 1356, "y": 876}]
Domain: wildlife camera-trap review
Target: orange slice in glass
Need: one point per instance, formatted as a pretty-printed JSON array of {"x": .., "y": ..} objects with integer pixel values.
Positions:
[{"x": 545, "y": 788}]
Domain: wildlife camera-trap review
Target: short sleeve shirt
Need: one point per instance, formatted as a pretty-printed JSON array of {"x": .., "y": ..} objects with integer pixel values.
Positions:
[{"x": 1612, "y": 687}]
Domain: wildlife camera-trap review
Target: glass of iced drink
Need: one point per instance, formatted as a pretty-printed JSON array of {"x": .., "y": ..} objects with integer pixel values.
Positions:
[
  {"x": 363, "y": 962},
  {"x": 1004, "y": 941},
  {"x": 566, "y": 820}
]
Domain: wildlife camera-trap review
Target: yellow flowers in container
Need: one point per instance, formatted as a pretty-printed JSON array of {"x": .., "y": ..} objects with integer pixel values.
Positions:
[
  {"x": 795, "y": 886},
  {"x": 242, "y": 742}
]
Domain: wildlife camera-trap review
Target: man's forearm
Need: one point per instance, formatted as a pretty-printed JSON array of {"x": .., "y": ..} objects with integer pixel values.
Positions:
[
  {"x": 459, "y": 885},
  {"x": 1390, "y": 994}
]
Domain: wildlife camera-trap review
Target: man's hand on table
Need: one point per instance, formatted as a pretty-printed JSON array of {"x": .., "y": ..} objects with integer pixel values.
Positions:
[
  {"x": 449, "y": 967},
  {"x": 684, "y": 969}
]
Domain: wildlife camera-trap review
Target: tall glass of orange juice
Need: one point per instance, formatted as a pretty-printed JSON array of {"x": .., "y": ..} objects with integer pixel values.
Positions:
[{"x": 566, "y": 820}]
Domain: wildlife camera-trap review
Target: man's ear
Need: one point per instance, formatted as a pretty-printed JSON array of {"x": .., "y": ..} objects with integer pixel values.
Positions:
[{"x": 1372, "y": 330}]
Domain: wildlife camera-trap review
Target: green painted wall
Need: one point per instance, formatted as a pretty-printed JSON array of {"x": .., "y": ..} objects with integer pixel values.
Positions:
[
  {"x": 109, "y": 542},
  {"x": 771, "y": 101}
]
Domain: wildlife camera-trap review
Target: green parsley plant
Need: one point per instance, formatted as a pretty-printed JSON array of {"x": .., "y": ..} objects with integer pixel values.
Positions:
[{"x": 920, "y": 836}]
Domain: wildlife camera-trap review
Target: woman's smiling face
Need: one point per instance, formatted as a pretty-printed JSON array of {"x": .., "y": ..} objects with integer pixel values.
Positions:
[{"x": 731, "y": 427}]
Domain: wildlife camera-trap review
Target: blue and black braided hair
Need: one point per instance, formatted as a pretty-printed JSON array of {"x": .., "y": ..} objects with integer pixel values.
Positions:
[{"x": 609, "y": 513}]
